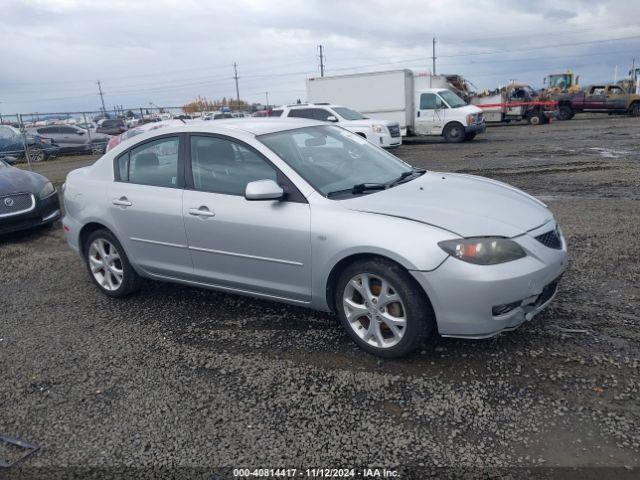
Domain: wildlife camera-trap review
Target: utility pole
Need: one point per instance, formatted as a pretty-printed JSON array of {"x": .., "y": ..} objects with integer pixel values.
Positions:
[
  {"x": 433, "y": 56},
  {"x": 267, "y": 95},
  {"x": 235, "y": 77},
  {"x": 104, "y": 110},
  {"x": 321, "y": 60}
]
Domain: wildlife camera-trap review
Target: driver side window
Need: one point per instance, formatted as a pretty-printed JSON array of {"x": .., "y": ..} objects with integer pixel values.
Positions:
[
  {"x": 430, "y": 101},
  {"x": 219, "y": 165}
]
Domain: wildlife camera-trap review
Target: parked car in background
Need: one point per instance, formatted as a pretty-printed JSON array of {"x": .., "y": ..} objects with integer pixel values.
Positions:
[
  {"x": 603, "y": 98},
  {"x": 12, "y": 145},
  {"x": 73, "y": 139},
  {"x": 311, "y": 214},
  {"x": 27, "y": 200},
  {"x": 132, "y": 132},
  {"x": 111, "y": 126},
  {"x": 91, "y": 126},
  {"x": 383, "y": 133},
  {"x": 218, "y": 115}
]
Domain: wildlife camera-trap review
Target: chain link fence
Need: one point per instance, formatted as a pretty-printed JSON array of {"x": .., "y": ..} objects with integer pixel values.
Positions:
[{"x": 36, "y": 137}]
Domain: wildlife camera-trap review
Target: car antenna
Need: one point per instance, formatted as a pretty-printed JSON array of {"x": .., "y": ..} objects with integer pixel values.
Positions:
[{"x": 182, "y": 120}]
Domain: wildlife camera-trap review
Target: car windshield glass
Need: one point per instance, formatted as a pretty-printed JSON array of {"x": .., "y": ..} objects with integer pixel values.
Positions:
[
  {"x": 349, "y": 114},
  {"x": 452, "y": 99},
  {"x": 334, "y": 160}
]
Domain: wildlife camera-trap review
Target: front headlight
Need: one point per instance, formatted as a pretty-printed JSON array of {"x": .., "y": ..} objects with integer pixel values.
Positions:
[
  {"x": 483, "y": 250},
  {"x": 378, "y": 128},
  {"x": 470, "y": 119},
  {"x": 47, "y": 190}
]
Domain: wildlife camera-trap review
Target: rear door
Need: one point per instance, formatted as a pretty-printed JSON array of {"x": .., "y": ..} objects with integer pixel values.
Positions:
[
  {"x": 71, "y": 137},
  {"x": 145, "y": 203},
  {"x": 252, "y": 246},
  {"x": 595, "y": 98}
]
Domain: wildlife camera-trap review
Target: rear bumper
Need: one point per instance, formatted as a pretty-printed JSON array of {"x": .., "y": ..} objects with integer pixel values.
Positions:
[{"x": 45, "y": 212}]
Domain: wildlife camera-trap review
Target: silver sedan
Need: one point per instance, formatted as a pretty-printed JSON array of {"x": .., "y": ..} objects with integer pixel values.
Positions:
[{"x": 311, "y": 214}]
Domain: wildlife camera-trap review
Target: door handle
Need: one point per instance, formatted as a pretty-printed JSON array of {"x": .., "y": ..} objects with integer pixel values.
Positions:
[
  {"x": 418, "y": 113},
  {"x": 201, "y": 212},
  {"x": 121, "y": 202}
]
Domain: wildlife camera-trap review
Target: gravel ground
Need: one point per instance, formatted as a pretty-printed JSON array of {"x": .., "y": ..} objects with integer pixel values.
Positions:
[{"x": 181, "y": 377}]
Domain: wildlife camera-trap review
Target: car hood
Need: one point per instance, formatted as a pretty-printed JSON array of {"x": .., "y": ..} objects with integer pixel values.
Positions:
[
  {"x": 466, "y": 205},
  {"x": 15, "y": 180},
  {"x": 368, "y": 122}
]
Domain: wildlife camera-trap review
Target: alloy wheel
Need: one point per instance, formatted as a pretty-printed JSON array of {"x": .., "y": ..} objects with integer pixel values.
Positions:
[
  {"x": 374, "y": 310},
  {"x": 36, "y": 154},
  {"x": 105, "y": 264}
]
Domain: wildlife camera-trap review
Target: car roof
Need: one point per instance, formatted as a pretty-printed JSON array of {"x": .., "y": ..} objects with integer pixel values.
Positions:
[{"x": 253, "y": 125}]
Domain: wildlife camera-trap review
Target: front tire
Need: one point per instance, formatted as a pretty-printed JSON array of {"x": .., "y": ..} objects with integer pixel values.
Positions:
[
  {"x": 382, "y": 308},
  {"x": 454, "y": 133},
  {"x": 635, "y": 110},
  {"x": 108, "y": 265}
]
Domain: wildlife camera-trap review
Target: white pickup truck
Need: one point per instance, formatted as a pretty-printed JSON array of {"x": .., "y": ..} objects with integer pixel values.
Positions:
[
  {"x": 381, "y": 132},
  {"x": 394, "y": 96}
]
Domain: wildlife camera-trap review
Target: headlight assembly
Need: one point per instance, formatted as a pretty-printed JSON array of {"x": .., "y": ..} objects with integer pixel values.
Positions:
[
  {"x": 378, "y": 128},
  {"x": 47, "y": 190},
  {"x": 483, "y": 250}
]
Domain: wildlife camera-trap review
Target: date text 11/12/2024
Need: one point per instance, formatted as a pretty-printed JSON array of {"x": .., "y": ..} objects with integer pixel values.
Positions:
[{"x": 315, "y": 473}]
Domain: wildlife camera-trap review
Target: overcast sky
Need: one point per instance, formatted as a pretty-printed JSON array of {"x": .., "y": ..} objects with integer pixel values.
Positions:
[{"x": 169, "y": 51}]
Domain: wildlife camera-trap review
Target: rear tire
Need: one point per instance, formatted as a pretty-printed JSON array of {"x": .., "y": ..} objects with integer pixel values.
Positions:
[
  {"x": 108, "y": 265},
  {"x": 454, "y": 133},
  {"x": 36, "y": 154},
  {"x": 565, "y": 112},
  {"x": 536, "y": 119},
  {"x": 383, "y": 309},
  {"x": 635, "y": 109}
]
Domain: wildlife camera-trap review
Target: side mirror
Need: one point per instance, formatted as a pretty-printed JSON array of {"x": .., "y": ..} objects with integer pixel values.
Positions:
[
  {"x": 81, "y": 132},
  {"x": 332, "y": 118},
  {"x": 263, "y": 190}
]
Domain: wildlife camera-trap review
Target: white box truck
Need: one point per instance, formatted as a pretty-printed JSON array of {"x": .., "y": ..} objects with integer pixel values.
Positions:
[{"x": 392, "y": 95}]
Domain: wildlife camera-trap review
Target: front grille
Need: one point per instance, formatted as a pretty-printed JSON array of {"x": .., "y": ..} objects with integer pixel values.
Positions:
[
  {"x": 547, "y": 292},
  {"x": 394, "y": 130},
  {"x": 550, "y": 239},
  {"x": 15, "y": 204}
]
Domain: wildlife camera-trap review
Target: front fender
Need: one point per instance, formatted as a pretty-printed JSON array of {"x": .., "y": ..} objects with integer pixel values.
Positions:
[{"x": 339, "y": 233}]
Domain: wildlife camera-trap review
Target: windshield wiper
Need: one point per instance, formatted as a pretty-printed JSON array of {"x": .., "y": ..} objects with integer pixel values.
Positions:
[
  {"x": 358, "y": 188},
  {"x": 404, "y": 175},
  {"x": 364, "y": 187}
]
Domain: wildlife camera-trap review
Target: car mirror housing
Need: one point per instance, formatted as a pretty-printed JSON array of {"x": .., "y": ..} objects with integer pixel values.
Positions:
[
  {"x": 332, "y": 118},
  {"x": 263, "y": 190}
]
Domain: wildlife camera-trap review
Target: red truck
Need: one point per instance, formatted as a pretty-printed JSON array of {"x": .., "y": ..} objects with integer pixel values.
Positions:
[{"x": 603, "y": 98}]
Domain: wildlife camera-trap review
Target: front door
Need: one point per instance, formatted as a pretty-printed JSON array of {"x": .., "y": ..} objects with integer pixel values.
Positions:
[
  {"x": 252, "y": 246},
  {"x": 430, "y": 114},
  {"x": 616, "y": 98},
  {"x": 146, "y": 206}
]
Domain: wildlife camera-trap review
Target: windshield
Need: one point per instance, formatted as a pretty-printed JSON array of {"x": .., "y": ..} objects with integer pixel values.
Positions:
[
  {"x": 349, "y": 114},
  {"x": 332, "y": 159},
  {"x": 452, "y": 99}
]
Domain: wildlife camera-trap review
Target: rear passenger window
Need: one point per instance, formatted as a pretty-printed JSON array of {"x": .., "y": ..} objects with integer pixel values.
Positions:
[
  {"x": 154, "y": 163},
  {"x": 301, "y": 113}
]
